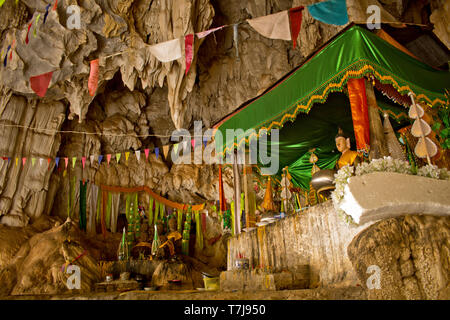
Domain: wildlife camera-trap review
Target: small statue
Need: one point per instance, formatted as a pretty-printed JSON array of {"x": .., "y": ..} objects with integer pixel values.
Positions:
[{"x": 348, "y": 157}]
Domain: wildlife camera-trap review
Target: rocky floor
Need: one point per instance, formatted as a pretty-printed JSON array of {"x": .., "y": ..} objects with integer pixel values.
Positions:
[{"x": 349, "y": 293}]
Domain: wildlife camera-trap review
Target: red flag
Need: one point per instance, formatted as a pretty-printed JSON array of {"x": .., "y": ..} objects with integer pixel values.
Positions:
[
  {"x": 40, "y": 83},
  {"x": 223, "y": 201},
  {"x": 188, "y": 50},
  {"x": 29, "y": 27},
  {"x": 48, "y": 163},
  {"x": 56, "y": 4},
  {"x": 295, "y": 19},
  {"x": 146, "y": 153},
  {"x": 83, "y": 161},
  {"x": 108, "y": 158},
  {"x": 93, "y": 77}
]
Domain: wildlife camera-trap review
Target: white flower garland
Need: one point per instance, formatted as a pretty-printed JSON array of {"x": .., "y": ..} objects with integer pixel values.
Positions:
[{"x": 386, "y": 164}]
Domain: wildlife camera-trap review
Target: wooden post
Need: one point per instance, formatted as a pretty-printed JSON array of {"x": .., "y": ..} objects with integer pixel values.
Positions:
[
  {"x": 378, "y": 146},
  {"x": 237, "y": 195},
  {"x": 249, "y": 194}
]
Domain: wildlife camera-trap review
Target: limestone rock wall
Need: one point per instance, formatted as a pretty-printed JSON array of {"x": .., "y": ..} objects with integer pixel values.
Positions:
[
  {"x": 317, "y": 237},
  {"x": 413, "y": 253}
]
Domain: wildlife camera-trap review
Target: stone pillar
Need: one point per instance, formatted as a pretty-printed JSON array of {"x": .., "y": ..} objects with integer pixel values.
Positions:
[{"x": 378, "y": 146}]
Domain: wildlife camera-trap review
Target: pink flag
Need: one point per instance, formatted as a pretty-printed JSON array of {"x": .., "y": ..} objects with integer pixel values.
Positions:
[
  {"x": 83, "y": 161},
  {"x": 193, "y": 143},
  {"x": 23, "y": 161},
  {"x": 108, "y": 158},
  {"x": 188, "y": 50},
  {"x": 93, "y": 77},
  {"x": 40, "y": 83},
  {"x": 66, "y": 160},
  {"x": 146, "y": 151},
  {"x": 203, "y": 34}
]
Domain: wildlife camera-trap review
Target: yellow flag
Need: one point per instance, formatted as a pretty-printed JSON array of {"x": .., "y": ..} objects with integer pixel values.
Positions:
[
  {"x": 33, "y": 161},
  {"x": 165, "y": 151},
  {"x": 127, "y": 154},
  {"x": 17, "y": 161}
]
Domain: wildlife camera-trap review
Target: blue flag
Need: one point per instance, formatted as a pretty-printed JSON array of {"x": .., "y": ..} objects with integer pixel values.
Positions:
[
  {"x": 100, "y": 157},
  {"x": 57, "y": 161},
  {"x": 330, "y": 12},
  {"x": 157, "y": 153}
]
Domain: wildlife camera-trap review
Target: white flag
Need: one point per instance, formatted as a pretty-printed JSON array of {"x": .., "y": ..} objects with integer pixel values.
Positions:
[
  {"x": 167, "y": 51},
  {"x": 40, "y": 161},
  {"x": 138, "y": 154},
  {"x": 273, "y": 26},
  {"x": 92, "y": 158}
]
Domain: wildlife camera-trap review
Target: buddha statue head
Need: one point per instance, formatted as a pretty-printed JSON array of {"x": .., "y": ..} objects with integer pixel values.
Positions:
[{"x": 342, "y": 141}]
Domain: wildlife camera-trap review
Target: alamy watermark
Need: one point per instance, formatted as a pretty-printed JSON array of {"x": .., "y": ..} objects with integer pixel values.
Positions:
[
  {"x": 74, "y": 280},
  {"x": 374, "y": 281},
  {"x": 258, "y": 149}
]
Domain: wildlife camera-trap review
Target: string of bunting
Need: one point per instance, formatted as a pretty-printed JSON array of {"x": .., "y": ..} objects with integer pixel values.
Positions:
[
  {"x": 284, "y": 25},
  {"x": 98, "y": 158}
]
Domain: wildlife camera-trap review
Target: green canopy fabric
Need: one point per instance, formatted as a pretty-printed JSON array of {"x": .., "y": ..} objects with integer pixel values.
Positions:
[{"x": 353, "y": 54}]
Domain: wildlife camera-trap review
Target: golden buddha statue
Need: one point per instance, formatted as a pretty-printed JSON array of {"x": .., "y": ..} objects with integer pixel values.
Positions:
[{"x": 348, "y": 157}]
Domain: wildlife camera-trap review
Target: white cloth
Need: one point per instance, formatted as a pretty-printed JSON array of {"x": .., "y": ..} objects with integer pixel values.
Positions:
[
  {"x": 167, "y": 51},
  {"x": 273, "y": 26},
  {"x": 115, "y": 200},
  {"x": 92, "y": 196}
]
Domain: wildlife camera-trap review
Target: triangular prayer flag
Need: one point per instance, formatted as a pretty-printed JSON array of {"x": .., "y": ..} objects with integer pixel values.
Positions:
[
  {"x": 138, "y": 154},
  {"x": 12, "y": 46},
  {"x": 17, "y": 161},
  {"x": 36, "y": 25},
  {"x": 46, "y": 12},
  {"x": 40, "y": 83},
  {"x": 146, "y": 151},
  {"x": 166, "y": 51},
  {"x": 295, "y": 19},
  {"x": 188, "y": 51},
  {"x": 66, "y": 161},
  {"x": 205, "y": 141},
  {"x": 56, "y": 4},
  {"x": 6, "y": 56},
  {"x": 193, "y": 143},
  {"x": 74, "y": 160},
  {"x": 83, "y": 161},
  {"x": 33, "y": 161},
  {"x": 330, "y": 12},
  {"x": 9, "y": 160},
  {"x": 28, "y": 32},
  {"x": 207, "y": 32},
  {"x": 100, "y": 157},
  {"x": 93, "y": 77},
  {"x": 48, "y": 162},
  {"x": 118, "y": 157},
  {"x": 23, "y": 161},
  {"x": 175, "y": 148},
  {"x": 92, "y": 157},
  {"x": 165, "y": 151},
  {"x": 57, "y": 161},
  {"x": 273, "y": 26},
  {"x": 236, "y": 38},
  {"x": 127, "y": 154},
  {"x": 108, "y": 158},
  {"x": 157, "y": 153},
  {"x": 2, "y": 2},
  {"x": 41, "y": 160}
]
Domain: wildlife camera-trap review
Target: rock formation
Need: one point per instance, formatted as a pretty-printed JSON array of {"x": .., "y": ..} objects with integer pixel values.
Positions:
[{"x": 413, "y": 254}]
